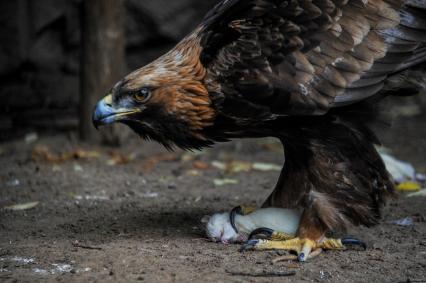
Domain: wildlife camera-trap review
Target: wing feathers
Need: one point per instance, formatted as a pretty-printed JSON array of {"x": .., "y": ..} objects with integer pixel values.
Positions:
[{"x": 307, "y": 56}]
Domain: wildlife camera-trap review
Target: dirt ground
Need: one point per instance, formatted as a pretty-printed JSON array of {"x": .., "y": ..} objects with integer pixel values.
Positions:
[{"x": 133, "y": 215}]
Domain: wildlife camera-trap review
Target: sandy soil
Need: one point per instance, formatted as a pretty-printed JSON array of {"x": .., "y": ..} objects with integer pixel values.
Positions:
[{"x": 139, "y": 221}]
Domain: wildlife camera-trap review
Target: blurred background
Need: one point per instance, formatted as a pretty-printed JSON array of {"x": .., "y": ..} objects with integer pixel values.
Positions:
[{"x": 57, "y": 53}]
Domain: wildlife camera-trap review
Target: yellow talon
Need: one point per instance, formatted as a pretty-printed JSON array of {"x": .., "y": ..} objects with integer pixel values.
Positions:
[
  {"x": 281, "y": 236},
  {"x": 295, "y": 244}
]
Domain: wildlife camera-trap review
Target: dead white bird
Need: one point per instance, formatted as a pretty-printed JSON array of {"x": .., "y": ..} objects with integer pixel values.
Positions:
[{"x": 234, "y": 227}]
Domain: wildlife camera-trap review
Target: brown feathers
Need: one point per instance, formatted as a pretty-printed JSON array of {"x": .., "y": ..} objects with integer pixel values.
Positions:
[{"x": 323, "y": 46}]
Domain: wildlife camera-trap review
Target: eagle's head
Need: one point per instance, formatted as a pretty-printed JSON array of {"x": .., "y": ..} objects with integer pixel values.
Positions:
[{"x": 165, "y": 101}]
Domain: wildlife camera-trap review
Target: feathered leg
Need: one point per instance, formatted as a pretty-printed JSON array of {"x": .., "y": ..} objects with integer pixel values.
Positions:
[{"x": 334, "y": 173}]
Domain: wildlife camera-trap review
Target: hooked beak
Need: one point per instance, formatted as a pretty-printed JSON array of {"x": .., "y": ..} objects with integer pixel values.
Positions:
[{"x": 105, "y": 113}]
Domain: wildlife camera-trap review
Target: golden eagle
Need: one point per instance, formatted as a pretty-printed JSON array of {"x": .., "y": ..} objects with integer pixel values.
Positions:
[{"x": 308, "y": 72}]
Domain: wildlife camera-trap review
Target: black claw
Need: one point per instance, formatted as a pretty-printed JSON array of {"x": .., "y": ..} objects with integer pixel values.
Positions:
[
  {"x": 248, "y": 245},
  {"x": 265, "y": 232},
  {"x": 236, "y": 210},
  {"x": 353, "y": 242},
  {"x": 301, "y": 257}
]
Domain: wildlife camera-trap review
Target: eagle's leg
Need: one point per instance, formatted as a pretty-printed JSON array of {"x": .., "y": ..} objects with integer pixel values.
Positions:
[
  {"x": 337, "y": 181},
  {"x": 311, "y": 234}
]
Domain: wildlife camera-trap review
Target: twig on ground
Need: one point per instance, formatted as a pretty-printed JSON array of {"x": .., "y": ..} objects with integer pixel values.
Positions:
[
  {"x": 284, "y": 258},
  {"x": 294, "y": 257},
  {"x": 203, "y": 239},
  {"x": 78, "y": 245},
  {"x": 263, "y": 274}
]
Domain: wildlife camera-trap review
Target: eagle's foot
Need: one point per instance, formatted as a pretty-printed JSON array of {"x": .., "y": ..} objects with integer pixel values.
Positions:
[{"x": 304, "y": 248}]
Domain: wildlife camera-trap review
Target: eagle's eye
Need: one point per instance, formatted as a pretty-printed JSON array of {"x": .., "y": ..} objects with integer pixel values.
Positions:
[{"x": 143, "y": 95}]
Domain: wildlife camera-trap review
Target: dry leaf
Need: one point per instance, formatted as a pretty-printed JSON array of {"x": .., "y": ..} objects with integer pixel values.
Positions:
[
  {"x": 81, "y": 154},
  {"x": 23, "y": 206},
  {"x": 274, "y": 147},
  {"x": 219, "y": 165},
  {"x": 118, "y": 158},
  {"x": 188, "y": 156},
  {"x": 223, "y": 182},
  {"x": 200, "y": 165},
  {"x": 409, "y": 187},
  {"x": 232, "y": 166},
  {"x": 266, "y": 166},
  {"x": 42, "y": 152},
  {"x": 240, "y": 166},
  {"x": 150, "y": 163},
  {"x": 421, "y": 193},
  {"x": 193, "y": 173}
]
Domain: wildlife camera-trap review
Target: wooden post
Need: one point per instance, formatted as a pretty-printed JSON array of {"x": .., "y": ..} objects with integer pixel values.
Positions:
[{"x": 102, "y": 60}]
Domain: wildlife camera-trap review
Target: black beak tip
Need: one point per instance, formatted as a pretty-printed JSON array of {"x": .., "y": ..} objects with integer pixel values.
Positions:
[{"x": 95, "y": 123}]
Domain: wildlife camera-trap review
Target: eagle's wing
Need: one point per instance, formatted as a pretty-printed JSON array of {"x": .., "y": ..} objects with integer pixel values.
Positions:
[{"x": 304, "y": 57}]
